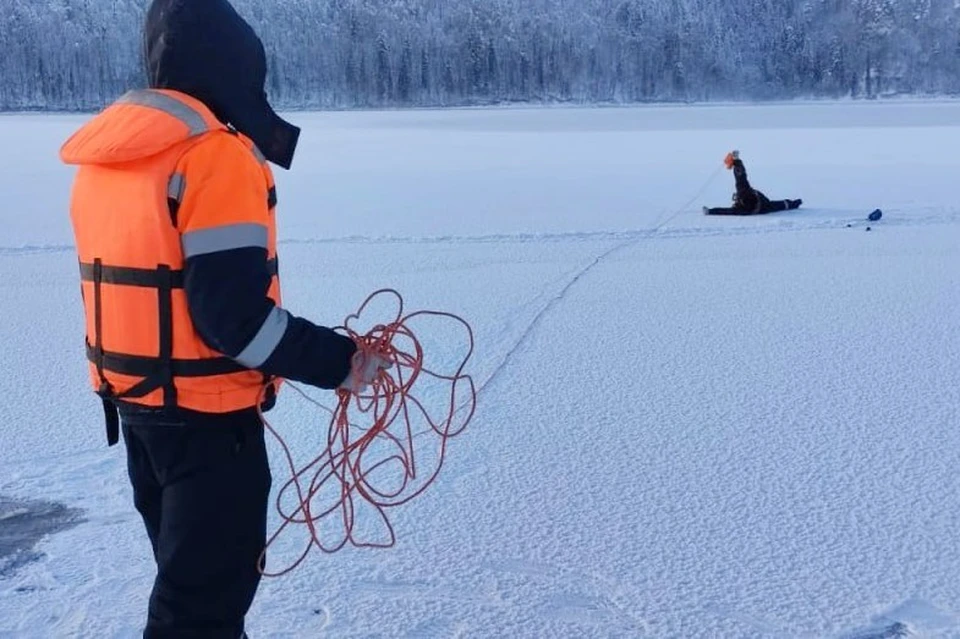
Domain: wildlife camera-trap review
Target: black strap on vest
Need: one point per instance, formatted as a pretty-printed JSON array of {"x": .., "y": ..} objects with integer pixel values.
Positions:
[
  {"x": 156, "y": 371},
  {"x": 105, "y": 391},
  {"x": 143, "y": 366},
  {"x": 159, "y": 374},
  {"x": 160, "y": 371},
  {"x": 128, "y": 276},
  {"x": 165, "y": 308},
  {"x": 173, "y": 205},
  {"x": 98, "y": 321},
  {"x": 144, "y": 277}
]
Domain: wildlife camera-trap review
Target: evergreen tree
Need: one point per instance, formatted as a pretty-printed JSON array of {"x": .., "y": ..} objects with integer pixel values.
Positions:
[{"x": 80, "y": 54}]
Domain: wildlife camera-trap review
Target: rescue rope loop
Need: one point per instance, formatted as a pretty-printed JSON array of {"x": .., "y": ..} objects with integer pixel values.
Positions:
[{"x": 374, "y": 465}]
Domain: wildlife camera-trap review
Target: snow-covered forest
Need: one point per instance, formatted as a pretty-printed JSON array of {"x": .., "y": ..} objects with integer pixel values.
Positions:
[{"x": 79, "y": 54}]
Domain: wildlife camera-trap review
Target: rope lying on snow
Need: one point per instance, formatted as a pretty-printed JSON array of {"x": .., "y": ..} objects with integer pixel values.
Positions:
[
  {"x": 391, "y": 404},
  {"x": 360, "y": 460},
  {"x": 686, "y": 205}
]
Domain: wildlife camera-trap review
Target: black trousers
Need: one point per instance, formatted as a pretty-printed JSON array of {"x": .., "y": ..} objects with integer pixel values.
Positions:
[
  {"x": 201, "y": 486},
  {"x": 766, "y": 206}
]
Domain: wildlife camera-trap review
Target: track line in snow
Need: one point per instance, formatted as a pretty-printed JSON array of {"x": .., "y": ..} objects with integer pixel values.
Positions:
[
  {"x": 546, "y": 308},
  {"x": 782, "y": 224}
]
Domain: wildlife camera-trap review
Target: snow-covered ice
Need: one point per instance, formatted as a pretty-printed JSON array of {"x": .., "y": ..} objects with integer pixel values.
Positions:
[{"x": 688, "y": 426}]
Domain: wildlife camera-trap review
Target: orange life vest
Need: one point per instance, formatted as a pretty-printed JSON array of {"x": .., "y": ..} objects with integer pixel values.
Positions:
[{"x": 134, "y": 174}]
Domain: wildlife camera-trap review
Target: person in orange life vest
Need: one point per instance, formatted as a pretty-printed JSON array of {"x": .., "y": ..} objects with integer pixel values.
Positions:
[
  {"x": 173, "y": 213},
  {"x": 746, "y": 199}
]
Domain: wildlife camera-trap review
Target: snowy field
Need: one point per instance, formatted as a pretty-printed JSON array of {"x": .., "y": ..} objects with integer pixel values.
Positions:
[{"x": 687, "y": 426}]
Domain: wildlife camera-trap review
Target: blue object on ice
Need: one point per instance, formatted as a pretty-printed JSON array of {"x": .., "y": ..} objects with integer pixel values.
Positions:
[{"x": 876, "y": 215}]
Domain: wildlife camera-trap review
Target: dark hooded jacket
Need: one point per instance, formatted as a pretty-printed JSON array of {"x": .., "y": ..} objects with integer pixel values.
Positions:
[{"x": 205, "y": 49}]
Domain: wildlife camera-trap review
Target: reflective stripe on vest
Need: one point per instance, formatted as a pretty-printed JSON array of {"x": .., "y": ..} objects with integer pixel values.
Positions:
[
  {"x": 263, "y": 344},
  {"x": 224, "y": 238},
  {"x": 171, "y": 106},
  {"x": 176, "y": 187}
]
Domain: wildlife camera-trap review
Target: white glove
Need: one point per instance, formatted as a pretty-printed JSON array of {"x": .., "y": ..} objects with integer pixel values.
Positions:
[{"x": 364, "y": 370}]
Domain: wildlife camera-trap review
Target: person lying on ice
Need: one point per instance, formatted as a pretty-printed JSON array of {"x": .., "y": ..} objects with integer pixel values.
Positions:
[{"x": 747, "y": 200}]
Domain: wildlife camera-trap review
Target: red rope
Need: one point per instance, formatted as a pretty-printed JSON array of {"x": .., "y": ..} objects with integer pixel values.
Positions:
[{"x": 391, "y": 407}]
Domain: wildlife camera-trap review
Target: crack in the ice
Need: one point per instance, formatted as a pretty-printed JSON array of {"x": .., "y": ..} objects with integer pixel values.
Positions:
[{"x": 780, "y": 225}]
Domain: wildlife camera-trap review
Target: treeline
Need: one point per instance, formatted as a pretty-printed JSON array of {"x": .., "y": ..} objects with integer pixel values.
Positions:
[{"x": 80, "y": 54}]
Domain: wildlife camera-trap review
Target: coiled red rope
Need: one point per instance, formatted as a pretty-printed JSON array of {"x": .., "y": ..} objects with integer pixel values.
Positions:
[{"x": 360, "y": 460}]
